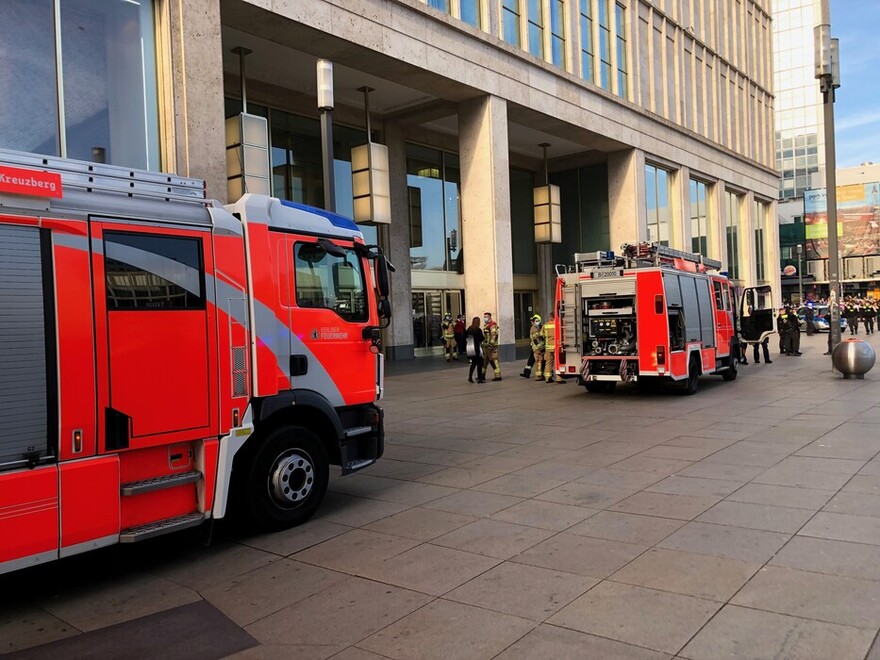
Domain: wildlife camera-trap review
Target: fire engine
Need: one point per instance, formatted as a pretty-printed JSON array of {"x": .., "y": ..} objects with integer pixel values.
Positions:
[
  {"x": 166, "y": 359},
  {"x": 649, "y": 315}
]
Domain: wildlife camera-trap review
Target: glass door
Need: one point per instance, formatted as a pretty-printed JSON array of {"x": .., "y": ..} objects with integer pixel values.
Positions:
[
  {"x": 428, "y": 309},
  {"x": 523, "y": 309}
]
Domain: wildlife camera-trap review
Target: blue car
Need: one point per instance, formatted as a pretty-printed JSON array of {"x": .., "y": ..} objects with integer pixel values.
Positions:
[{"x": 821, "y": 318}]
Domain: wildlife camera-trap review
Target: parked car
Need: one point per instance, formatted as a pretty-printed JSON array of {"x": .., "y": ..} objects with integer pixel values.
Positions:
[{"x": 821, "y": 318}]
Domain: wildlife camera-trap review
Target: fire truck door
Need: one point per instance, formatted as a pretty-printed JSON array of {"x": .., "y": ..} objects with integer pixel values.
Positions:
[
  {"x": 757, "y": 319},
  {"x": 329, "y": 311},
  {"x": 153, "y": 332},
  {"x": 723, "y": 316}
]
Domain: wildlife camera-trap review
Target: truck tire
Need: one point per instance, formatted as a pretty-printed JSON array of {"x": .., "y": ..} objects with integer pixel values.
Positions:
[
  {"x": 286, "y": 479},
  {"x": 730, "y": 373},
  {"x": 693, "y": 380}
]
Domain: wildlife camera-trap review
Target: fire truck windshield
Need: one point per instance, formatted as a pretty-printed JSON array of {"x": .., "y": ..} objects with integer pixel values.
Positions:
[{"x": 328, "y": 281}]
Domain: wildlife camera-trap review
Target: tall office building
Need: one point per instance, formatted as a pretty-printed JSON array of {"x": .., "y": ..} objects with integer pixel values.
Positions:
[{"x": 658, "y": 116}]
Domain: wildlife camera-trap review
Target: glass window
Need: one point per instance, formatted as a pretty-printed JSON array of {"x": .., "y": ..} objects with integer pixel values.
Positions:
[
  {"x": 557, "y": 32},
  {"x": 470, "y": 12},
  {"x": 151, "y": 272},
  {"x": 657, "y": 201},
  {"x": 699, "y": 218},
  {"x": 604, "y": 45},
  {"x": 620, "y": 21},
  {"x": 586, "y": 24},
  {"x": 510, "y": 19},
  {"x": 434, "y": 180},
  {"x": 442, "y": 5},
  {"x": 108, "y": 61},
  {"x": 330, "y": 282},
  {"x": 760, "y": 215},
  {"x": 732, "y": 202},
  {"x": 535, "y": 16}
]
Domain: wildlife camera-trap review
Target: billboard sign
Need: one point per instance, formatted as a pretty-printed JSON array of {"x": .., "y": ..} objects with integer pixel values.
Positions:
[{"x": 858, "y": 221}]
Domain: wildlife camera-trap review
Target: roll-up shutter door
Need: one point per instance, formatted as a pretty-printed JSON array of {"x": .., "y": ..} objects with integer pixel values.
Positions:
[{"x": 23, "y": 421}]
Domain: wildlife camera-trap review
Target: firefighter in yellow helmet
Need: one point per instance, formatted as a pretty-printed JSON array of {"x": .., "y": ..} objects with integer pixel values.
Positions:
[
  {"x": 534, "y": 330},
  {"x": 490, "y": 346},
  {"x": 550, "y": 351},
  {"x": 449, "y": 346}
]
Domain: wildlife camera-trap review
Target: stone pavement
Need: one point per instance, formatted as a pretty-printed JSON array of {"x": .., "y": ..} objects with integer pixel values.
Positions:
[{"x": 527, "y": 520}]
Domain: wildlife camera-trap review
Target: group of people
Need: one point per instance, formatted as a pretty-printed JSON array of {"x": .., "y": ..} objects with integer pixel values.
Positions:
[
  {"x": 478, "y": 343},
  {"x": 788, "y": 327},
  {"x": 856, "y": 310}
]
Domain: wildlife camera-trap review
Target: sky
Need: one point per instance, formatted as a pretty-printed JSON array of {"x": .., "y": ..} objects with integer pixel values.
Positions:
[{"x": 857, "y": 105}]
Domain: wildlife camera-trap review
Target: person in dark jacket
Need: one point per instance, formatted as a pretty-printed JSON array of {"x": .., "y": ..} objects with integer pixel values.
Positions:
[
  {"x": 474, "y": 339},
  {"x": 460, "y": 328},
  {"x": 808, "y": 318},
  {"x": 781, "y": 329},
  {"x": 793, "y": 335}
]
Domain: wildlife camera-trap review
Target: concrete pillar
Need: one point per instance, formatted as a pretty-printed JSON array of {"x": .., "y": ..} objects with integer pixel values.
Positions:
[
  {"x": 398, "y": 338},
  {"x": 628, "y": 215},
  {"x": 485, "y": 213},
  {"x": 679, "y": 213},
  {"x": 748, "y": 222},
  {"x": 772, "y": 252},
  {"x": 546, "y": 280},
  {"x": 717, "y": 223},
  {"x": 195, "y": 143}
]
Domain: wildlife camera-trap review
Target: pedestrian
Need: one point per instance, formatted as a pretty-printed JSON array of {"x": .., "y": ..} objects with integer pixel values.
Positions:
[
  {"x": 869, "y": 313},
  {"x": 793, "y": 332},
  {"x": 460, "y": 329},
  {"x": 490, "y": 346},
  {"x": 549, "y": 333},
  {"x": 447, "y": 329},
  {"x": 808, "y": 318},
  {"x": 474, "y": 339},
  {"x": 538, "y": 344},
  {"x": 534, "y": 328},
  {"x": 765, "y": 346},
  {"x": 851, "y": 313}
]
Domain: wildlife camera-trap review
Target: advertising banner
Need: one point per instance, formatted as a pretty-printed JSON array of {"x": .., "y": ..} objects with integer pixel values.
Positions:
[{"x": 858, "y": 221}]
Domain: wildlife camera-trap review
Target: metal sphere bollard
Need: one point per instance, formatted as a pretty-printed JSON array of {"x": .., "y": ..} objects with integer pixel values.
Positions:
[{"x": 853, "y": 358}]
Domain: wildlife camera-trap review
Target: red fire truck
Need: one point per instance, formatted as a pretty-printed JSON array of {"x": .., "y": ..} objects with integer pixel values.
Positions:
[
  {"x": 651, "y": 314},
  {"x": 166, "y": 358}
]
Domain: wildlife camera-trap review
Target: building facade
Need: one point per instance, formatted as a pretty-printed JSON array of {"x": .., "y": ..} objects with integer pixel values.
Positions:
[{"x": 658, "y": 116}]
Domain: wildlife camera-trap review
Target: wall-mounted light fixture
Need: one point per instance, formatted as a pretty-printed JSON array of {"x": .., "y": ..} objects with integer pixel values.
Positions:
[
  {"x": 371, "y": 187},
  {"x": 247, "y": 146},
  {"x": 325, "y": 107},
  {"x": 548, "y": 214}
]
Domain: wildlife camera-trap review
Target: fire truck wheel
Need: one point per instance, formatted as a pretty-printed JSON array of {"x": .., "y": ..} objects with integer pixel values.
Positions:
[
  {"x": 287, "y": 478},
  {"x": 693, "y": 379},
  {"x": 730, "y": 372}
]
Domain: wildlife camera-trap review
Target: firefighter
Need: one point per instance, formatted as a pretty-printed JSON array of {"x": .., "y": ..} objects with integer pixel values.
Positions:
[
  {"x": 448, "y": 329},
  {"x": 535, "y": 327},
  {"x": 490, "y": 346},
  {"x": 549, "y": 333},
  {"x": 538, "y": 342}
]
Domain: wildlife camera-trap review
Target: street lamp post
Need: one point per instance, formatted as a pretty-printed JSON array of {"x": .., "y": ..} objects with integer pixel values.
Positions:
[
  {"x": 800, "y": 253},
  {"x": 325, "y": 106},
  {"x": 827, "y": 72}
]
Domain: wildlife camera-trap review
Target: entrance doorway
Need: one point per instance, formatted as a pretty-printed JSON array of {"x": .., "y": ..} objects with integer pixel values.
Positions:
[
  {"x": 428, "y": 309},
  {"x": 523, "y": 309}
]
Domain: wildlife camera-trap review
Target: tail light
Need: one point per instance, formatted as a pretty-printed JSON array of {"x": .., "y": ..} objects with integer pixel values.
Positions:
[
  {"x": 658, "y": 304},
  {"x": 661, "y": 355}
]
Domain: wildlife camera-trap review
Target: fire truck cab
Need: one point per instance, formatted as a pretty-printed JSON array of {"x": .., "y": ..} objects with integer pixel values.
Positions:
[
  {"x": 649, "y": 315},
  {"x": 166, "y": 359}
]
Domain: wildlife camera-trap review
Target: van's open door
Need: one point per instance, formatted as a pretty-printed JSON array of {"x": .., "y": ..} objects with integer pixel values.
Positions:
[{"x": 756, "y": 314}]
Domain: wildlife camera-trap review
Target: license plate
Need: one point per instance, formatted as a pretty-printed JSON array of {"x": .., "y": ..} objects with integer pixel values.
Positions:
[{"x": 601, "y": 274}]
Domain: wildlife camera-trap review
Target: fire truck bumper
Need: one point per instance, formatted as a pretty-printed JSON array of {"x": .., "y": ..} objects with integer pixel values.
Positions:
[{"x": 363, "y": 441}]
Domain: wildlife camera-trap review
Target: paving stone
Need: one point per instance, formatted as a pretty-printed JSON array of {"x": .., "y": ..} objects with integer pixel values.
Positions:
[
  {"x": 548, "y": 641},
  {"x": 341, "y": 616},
  {"x": 204, "y": 567},
  {"x": 588, "y": 495},
  {"x": 529, "y": 592},
  {"x": 863, "y": 483},
  {"x": 494, "y": 538},
  {"x": 519, "y": 485},
  {"x": 23, "y": 626},
  {"x": 629, "y": 528},
  {"x": 473, "y": 503},
  {"x": 843, "y": 527},
  {"x": 355, "y": 511},
  {"x": 830, "y": 598},
  {"x": 463, "y": 477},
  {"x": 859, "y": 504},
  {"x": 706, "y": 470},
  {"x": 749, "y": 545},
  {"x": 419, "y": 523},
  {"x": 444, "y": 630},
  {"x": 857, "y": 560},
  {"x": 553, "y": 470},
  {"x": 389, "y": 490},
  {"x": 289, "y": 541},
  {"x": 757, "y": 454},
  {"x": 757, "y": 516},
  {"x": 644, "y": 617},
  {"x": 681, "y": 507},
  {"x": 430, "y": 569},
  {"x": 582, "y": 555},
  {"x": 699, "y": 487},
  {"x": 792, "y": 476},
  {"x": 544, "y": 515},
  {"x": 663, "y": 466},
  {"x": 703, "y": 576},
  {"x": 796, "y": 498},
  {"x": 354, "y": 551},
  {"x": 625, "y": 479},
  {"x": 738, "y": 632}
]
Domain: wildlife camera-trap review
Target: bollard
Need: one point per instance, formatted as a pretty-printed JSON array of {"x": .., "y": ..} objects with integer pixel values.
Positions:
[{"x": 853, "y": 358}]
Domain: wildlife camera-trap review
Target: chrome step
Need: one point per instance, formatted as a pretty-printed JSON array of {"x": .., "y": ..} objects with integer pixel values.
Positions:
[
  {"x": 158, "y": 483},
  {"x": 148, "y": 531},
  {"x": 357, "y": 430},
  {"x": 353, "y": 466}
]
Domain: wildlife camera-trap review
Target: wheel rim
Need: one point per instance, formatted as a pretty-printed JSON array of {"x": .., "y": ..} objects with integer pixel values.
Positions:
[{"x": 291, "y": 478}]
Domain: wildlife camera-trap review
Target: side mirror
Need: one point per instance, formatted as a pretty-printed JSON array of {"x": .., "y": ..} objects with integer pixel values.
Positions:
[
  {"x": 384, "y": 309},
  {"x": 382, "y": 280}
]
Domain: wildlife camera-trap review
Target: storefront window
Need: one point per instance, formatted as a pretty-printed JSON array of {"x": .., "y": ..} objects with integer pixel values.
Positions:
[
  {"x": 586, "y": 21},
  {"x": 732, "y": 202},
  {"x": 434, "y": 179},
  {"x": 699, "y": 218},
  {"x": 107, "y": 108},
  {"x": 510, "y": 13},
  {"x": 657, "y": 201}
]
